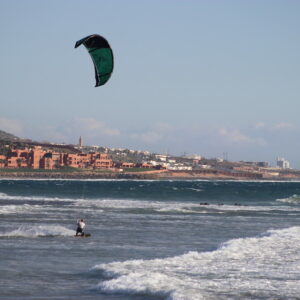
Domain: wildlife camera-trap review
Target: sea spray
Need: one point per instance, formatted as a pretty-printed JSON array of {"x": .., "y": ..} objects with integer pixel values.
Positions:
[{"x": 38, "y": 231}]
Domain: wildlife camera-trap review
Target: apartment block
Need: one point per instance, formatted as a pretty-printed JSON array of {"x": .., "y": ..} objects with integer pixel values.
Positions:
[{"x": 38, "y": 158}]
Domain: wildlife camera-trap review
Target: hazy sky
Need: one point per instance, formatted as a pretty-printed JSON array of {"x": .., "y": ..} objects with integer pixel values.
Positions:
[{"x": 203, "y": 77}]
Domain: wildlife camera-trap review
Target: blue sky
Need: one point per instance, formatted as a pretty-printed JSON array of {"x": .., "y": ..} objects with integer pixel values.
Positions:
[{"x": 201, "y": 77}]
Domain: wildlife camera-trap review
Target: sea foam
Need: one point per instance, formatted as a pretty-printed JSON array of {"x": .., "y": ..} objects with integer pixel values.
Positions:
[
  {"x": 172, "y": 206},
  {"x": 13, "y": 209},
  {"x": 38, "y": 231},
  {"x": 295, "y": 199},
  {"x": 259, "y": 267},
  {"x": 4, "y": 196}
]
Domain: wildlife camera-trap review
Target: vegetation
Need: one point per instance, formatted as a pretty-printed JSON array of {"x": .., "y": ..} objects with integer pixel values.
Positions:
[
  {"x": 29, "y": 170},
  {"x": 100, "y": 171},
  {"x": 138, "y": 169},
  {"x": 4, "y": 136}
]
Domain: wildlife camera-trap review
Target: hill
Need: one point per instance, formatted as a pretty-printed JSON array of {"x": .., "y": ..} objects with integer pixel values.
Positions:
[
  {"x": 9, "y": 140},
  {"x": 4, "y": 136}
]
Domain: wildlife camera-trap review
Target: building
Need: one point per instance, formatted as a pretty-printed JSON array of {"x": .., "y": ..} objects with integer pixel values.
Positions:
[
  {"x": 126, "y": 165},
  {"x": 80, "y": 144},
  {"x": 81, "y": 160},
  {"x": 100, "y": 161},
  {"x": 283, "y": 163},
  {"x": 35, "y": 156},
  {"x": 2, "y": 161},
  {"x": 51, "y": 160},
  {"x": 22, "y": 158},
  {"x": 38, "y": 158},
  {"x": 94, "y": 160},
  {"x": 47, "y": 163},
  {"x": 161, "y": 157}
]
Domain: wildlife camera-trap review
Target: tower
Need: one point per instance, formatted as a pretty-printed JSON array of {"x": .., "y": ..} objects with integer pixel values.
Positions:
[{"x": 80, "y": 144}]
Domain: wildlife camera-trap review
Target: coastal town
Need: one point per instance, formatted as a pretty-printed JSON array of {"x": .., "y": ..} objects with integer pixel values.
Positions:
[{"x": 26, "y": 158}]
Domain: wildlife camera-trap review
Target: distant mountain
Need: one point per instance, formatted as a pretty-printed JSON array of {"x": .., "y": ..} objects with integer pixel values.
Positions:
[{"x": 4, "y": 136}]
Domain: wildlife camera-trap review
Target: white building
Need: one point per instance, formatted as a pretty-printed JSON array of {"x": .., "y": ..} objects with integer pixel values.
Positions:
[
  {"x": 195, "y": 156},
  {"x": 283, "y": 163},
  {"x": 161, "y": 157},
  {"x": 178, "y": 167}
]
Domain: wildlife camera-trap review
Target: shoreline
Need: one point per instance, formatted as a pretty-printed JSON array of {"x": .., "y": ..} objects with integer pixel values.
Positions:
[{"x": 147, "y": 175}]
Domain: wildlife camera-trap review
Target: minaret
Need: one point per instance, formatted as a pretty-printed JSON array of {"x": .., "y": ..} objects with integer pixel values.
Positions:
[{"x": 80, "y": 144}]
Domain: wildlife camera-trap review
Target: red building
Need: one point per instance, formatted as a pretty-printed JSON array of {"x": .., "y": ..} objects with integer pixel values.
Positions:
[{"x": 38, "y": 158}]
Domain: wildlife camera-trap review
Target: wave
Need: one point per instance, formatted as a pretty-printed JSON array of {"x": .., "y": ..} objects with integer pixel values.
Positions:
[
  {"x": 241, "y": 207},
  {"x": 141, "y": 206},
  {"x": 13, "y": 209},
  {"x": 147, "y": 206},
  {"x": 4, "y": 196},
  {"x": 144, "y": 206},
  {"x": 264, "y": 267},
  {"x": 86, "y": 204},
  {"x": 195, "y": 190},
  {"x": 173, "y": 206},
  {"x": 295, "y": 199},
  {"x": 38, "y": 231}
]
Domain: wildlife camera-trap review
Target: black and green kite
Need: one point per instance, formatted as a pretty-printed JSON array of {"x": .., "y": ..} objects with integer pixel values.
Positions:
[{"x": 101, "y": 55}]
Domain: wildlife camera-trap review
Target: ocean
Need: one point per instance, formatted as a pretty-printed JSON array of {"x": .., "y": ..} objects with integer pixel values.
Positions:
[{"x": 175, "y": 240}]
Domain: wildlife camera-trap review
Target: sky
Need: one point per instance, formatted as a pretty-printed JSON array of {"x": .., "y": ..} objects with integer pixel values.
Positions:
[{"x": 213, "y": 78}]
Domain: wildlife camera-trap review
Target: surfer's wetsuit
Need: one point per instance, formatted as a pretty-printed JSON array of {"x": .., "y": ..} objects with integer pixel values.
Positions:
[{"x": 80, "y": 226}]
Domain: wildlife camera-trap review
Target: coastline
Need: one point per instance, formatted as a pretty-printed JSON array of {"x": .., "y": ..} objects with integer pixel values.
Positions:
[{"x": 146, "y": 175}]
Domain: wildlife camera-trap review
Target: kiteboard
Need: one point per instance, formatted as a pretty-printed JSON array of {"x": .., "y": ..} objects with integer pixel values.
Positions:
[{"x": 82, "y": 236}]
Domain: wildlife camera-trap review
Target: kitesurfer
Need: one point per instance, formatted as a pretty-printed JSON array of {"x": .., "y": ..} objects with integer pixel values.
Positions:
[{"x": 80, "y": 227}]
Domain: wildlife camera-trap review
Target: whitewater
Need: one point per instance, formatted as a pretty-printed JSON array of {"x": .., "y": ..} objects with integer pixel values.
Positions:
[{"x": 174, "y": 240}]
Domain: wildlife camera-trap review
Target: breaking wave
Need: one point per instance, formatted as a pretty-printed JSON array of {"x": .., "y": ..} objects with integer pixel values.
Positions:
[
  {"x": 4, "y": 196},
  {"x": 265, "y": 267},
  {"x": 13, "y": 209},
  {"x": 295, "y": 199},
  {"x": 128, "y": 204}
]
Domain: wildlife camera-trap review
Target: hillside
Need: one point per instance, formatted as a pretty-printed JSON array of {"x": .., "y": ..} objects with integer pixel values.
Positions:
[
  {"x": 7, "y": 139},
  {"x": 4, "y": 136}
]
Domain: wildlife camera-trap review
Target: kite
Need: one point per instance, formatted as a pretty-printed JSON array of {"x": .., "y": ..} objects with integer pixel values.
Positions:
[{"x": 102, "y": 56}]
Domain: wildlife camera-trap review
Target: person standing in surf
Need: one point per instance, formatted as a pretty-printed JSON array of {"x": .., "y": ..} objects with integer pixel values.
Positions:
[{"x": 80, "y": 227}]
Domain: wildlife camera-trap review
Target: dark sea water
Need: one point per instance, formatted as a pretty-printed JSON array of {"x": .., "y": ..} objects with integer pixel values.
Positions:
[{"x": 149, "y": 240}]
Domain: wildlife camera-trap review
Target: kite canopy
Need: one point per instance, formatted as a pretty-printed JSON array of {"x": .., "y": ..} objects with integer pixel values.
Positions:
[{"x": 101, "y": 55}]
